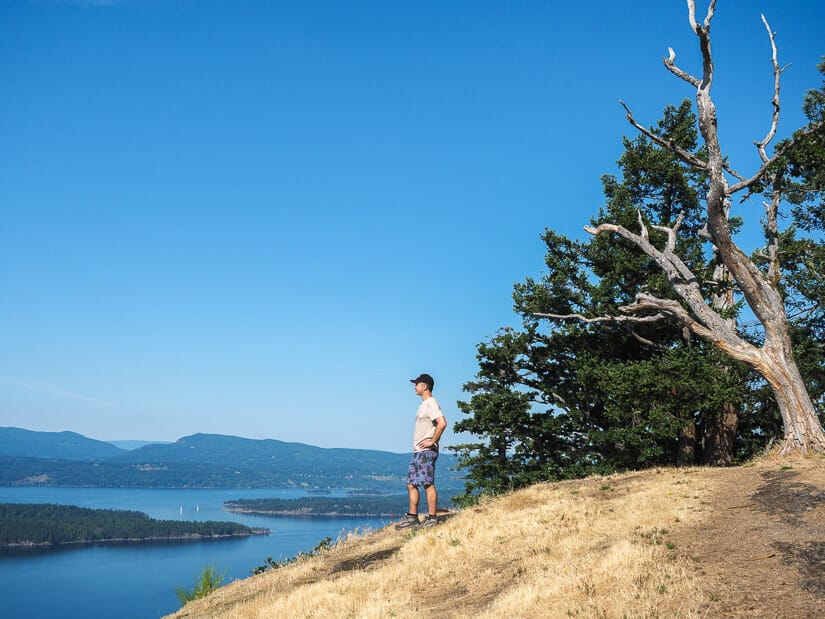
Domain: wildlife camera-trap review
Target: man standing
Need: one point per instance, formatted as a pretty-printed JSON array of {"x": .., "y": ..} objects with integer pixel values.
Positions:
[{"x": 429, "y": 426}]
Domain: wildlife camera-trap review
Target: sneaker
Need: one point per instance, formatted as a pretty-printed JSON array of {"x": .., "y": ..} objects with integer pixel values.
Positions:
[
  {"x": 408, "y": 521},
  {"x": 429, "y": 521}
]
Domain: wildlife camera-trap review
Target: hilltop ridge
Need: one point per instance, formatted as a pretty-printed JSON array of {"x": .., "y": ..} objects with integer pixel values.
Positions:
[
  {"x": 64, "y": 445},
  {"x": 29, "y": 458},
  {"x": 699, "y": 542}
]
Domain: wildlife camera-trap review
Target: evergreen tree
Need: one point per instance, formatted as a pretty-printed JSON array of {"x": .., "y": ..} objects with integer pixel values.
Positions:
[{"x": 587, "y": 386}]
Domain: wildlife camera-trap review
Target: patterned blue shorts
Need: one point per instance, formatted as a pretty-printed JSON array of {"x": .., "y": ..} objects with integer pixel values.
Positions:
[{"x": 422, "y": 468}]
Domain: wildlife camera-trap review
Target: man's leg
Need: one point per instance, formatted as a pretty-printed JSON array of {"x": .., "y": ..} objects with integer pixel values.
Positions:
[
  {"x": 432, "y": 499},
  {"x": 411, "y": 518},
  {"x": 413, "y": 491}
]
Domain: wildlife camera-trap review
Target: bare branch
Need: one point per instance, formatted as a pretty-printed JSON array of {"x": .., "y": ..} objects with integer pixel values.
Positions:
[
  {"x": 671, "y": 66},
  {"x": 646, "y": 302},
  {"x": 647, "y": 342},
  {"x": 585, "y": 319},
  {"x": 733, "y": 172},
  {"x": 703, "y": 32},
  {"x": 667, "y": 260},
  {"x": 701, "y": 319},
  {"x": 788, "y": 145},
  {"x": 559, "y": 399},
  {"x": 805, "y": 311},
  {"x": 601, "y": 228},
  {"x": 772, "y": 229},
  {"x": 709, "y": 16},
  {"x": 670, "y": 145},
  {"x": 642, "y": 225},
  {"x": 692, "y": 15},
  {"x": 775, "y": 101},
  {"x": 671, "y": 232}
]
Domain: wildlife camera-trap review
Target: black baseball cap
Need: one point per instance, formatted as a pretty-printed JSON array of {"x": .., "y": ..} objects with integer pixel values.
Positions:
[{"x": 424, "y": 378}]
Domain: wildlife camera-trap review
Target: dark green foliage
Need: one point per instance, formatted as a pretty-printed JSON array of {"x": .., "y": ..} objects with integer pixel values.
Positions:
[
  {"x": 565, "y": 397},
  {"x": 646, "y": 403},
  {"x": 47, "y": 524},
  {"x": 499, "y": 412}
]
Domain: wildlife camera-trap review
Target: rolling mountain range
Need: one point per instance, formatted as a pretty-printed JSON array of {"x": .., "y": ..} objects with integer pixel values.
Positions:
[
  {"x": 61, "y": 445},
  {"x": 29, "y": 458}
]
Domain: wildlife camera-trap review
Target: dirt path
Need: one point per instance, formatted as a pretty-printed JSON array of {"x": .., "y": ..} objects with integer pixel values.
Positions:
[{"x": 761, "y": 551}]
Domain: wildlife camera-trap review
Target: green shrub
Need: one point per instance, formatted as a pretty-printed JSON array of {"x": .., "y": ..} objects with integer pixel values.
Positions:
[{"x": 207, "y": 582}]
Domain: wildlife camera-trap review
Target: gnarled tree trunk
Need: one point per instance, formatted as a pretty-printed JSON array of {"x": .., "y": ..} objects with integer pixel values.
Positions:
[
  {"x": 803, "y": 431},
  {"x": 719, "y": 437},
  {"x": 774, "y": 359},
  {"x": 687, "y": 445}
]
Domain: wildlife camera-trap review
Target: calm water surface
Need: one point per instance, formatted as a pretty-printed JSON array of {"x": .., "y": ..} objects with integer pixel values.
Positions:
[{"x": 139, "y": 580}]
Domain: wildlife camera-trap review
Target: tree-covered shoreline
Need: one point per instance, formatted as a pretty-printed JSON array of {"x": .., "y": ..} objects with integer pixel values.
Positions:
[
  {"x": 36, "y": 524},
  {"x": 327, "y": 507}
]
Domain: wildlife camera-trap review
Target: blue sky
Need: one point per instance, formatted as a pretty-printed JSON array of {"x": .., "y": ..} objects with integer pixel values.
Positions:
[{"x": 262, "y": 218}]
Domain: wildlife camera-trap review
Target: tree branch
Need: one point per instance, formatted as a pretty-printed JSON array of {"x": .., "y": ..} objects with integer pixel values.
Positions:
[
  {"x": 775, "y": 101},
  {"x": 805, "y": 311},
  {"x": 646, "y": 302},
  {"x": 667, "y": 260},
  {"x": 671, "y": 66},
  {"x": 701, "y": 319},
  {"x": 786, "y": 146},
  {"x": 595, "y": 319},
  {"x": 733, "y": 172},
  {"x": 670, "y": 145},
  {"x": 642, "y": 225},
  {"x": 671, "y": 232},
  {"x": 646, "y": 342},
  {"x": 772, "y": 229},
  {"x": 703, "y": 32},
  {"x": 692, "y": 14}
]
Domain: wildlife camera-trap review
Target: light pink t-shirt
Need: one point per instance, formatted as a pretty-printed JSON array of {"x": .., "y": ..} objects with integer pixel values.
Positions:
[{"x": 425, "y": 417}]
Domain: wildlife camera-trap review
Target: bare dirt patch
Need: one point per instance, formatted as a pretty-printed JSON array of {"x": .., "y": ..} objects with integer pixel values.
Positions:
[
  {"x": 364, "y": 561},
  {"x": 760, "y": 552}
]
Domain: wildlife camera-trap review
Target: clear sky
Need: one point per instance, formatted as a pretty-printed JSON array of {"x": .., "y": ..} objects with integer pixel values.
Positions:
[{"x": 263, "y": 218}]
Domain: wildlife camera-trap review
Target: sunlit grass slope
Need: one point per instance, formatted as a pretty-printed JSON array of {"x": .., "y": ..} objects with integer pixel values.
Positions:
[{"x": 589, "y": 548}]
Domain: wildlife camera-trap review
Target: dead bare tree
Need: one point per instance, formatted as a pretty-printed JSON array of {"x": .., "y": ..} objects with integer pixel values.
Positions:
[{"x": 774, "y": 359}]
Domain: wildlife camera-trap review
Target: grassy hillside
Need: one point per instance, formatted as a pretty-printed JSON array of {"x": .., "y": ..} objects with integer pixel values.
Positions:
[{"x": 738, "y": 542}]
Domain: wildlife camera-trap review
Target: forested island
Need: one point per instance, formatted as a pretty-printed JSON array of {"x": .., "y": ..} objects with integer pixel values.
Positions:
[
  {"x": 366, "y": 506},
  {"x": 67, "y": 459},
  {"x": 26, "y": 524}
]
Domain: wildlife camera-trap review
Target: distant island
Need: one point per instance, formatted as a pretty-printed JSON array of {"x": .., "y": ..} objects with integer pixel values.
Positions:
[
  {"x": 67, "y": 459},
  {"x": 367, "y": 506},
  {"x": 27, "y": 524}
]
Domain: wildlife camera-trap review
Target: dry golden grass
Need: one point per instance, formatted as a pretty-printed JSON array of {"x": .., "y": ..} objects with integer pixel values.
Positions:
[{"x": 589, "y": 548}]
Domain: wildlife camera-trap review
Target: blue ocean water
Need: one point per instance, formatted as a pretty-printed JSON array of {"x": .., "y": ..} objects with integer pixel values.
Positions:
[{"x": 138, "y": 580}]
